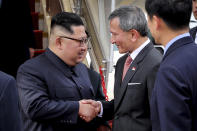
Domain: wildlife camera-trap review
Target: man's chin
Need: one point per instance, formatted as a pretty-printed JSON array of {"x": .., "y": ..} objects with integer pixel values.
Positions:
[
  {"x": 121, "y": 52},
  {"x": 80, "y": 59}
]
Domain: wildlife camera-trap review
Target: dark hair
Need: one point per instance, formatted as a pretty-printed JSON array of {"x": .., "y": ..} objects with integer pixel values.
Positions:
[
  {"x": 66, "y": 20},
  {"x": 175, "y": 13},
  {"x": 131, "y": 17}
]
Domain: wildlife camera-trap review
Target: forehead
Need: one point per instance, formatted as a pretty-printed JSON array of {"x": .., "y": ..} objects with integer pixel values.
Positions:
[
  {"x": 114, "y": 25},
  {"x": 115, "y": 21},
  {"x": 79, "y": 30}
]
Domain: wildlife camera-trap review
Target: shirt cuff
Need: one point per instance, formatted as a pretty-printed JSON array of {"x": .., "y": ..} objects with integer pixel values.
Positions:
[{"x": 101, "y": 112}]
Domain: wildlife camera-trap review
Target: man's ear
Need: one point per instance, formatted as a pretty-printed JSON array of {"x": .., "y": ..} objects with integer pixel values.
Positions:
[
  {"x": 157, "y": 22},
  {"x": 134, "y": 35},
  {"x": 58, "y": 42}
]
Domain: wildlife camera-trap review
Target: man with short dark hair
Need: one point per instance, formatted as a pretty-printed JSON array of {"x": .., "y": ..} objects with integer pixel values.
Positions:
[
  {"x": 52, "y": 85},
  {"x": 174, "y": 98}
]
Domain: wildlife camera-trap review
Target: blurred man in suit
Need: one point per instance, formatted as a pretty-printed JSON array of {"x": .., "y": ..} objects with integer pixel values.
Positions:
[
  {"x": 174, "y": 99},
  {"x": 194, "y": 29},
  {"x": 10, "y": 117},
  {"x": 130, "y": 108},
  {"x": 17, "y": 38},
  {"x": 52, "y": 84}
]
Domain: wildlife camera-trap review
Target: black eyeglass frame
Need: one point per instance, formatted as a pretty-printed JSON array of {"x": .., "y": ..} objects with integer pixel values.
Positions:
[{"x": 82, "y": 41}]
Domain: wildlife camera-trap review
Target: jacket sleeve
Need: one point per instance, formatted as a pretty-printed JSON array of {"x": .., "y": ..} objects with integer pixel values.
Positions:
[
  {"x": 37, "y": 104},
  {"x": 108, "y": 109}
]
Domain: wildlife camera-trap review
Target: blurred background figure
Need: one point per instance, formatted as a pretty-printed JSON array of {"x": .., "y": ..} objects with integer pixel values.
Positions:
[
  {"x": 17, "y": 37},
  {"x": 10, "y": 118}
]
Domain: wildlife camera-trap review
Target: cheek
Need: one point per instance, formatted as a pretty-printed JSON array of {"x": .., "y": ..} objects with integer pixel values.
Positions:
[
  {"x": 70, "y": 49},
  {"x": 120, "y": 39}
]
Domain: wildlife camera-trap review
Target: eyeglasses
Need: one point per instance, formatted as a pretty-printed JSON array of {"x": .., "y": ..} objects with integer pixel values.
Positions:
[{"x": 82, "y": 41}]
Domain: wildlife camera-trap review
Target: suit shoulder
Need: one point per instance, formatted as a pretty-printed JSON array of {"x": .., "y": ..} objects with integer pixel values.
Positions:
[
  {"x": 34, "y": 63},
  {"x": 92, "y": 73},
  {"x": 5, "y": 79},
  {"x": 155, "y": 55}
]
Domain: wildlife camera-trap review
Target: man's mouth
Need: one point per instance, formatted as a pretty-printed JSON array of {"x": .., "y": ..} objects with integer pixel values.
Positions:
[{"x": 81, "y": 54}]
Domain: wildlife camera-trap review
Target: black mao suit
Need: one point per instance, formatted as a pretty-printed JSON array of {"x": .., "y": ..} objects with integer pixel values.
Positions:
[{"x": 49, "y": 92}]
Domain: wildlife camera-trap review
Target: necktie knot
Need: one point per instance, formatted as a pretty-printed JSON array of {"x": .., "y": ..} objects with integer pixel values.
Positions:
[
  {"x": 126, "y": 66},
  {"x": 128, "y": 60}
]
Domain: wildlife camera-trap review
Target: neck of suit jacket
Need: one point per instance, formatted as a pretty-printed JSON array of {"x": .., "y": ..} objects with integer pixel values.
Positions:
[
  {"x": 80, "y": 76},
  {"x": 138, "y": 50},
  {"x": 177, "y": 44}
]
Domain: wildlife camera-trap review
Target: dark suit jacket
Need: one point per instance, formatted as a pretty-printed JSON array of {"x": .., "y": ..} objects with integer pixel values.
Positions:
[
  {"x": 174, "y": 99},
  {"x": 10, "y": 118},
  {"x": 130, "y": 107},
  {"x": 16, "y": 35},
  {"x": 193, "y": 32},
  {"x": 49, "y": 92}
]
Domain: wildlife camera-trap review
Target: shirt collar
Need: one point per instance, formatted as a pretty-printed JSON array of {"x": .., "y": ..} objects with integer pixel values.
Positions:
[
  {"x": 175, "y": 39},
  {"x": 137, "y": 51}
]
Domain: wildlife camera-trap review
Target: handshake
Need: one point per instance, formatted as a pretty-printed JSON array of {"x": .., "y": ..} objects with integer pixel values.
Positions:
[{"x": 89, "y": 109}]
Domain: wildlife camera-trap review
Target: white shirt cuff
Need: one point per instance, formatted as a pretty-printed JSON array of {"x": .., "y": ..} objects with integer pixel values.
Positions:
[{"x": 101, "y": 112}]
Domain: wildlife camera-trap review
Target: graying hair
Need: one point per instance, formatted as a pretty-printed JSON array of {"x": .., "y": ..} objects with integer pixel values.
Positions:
[{"x": 131, "y": 17}]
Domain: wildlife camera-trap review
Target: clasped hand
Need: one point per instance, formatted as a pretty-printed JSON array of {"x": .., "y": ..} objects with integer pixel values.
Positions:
[{"x": 89, "y": 109}]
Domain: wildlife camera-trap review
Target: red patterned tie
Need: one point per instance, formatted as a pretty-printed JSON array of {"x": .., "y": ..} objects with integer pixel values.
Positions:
[{"x": 126, "y": 66}]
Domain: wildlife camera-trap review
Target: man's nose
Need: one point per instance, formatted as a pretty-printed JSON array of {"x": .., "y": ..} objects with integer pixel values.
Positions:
[
  {"x": 84, "y": 47},
  {"x": 112, "y": 40}
]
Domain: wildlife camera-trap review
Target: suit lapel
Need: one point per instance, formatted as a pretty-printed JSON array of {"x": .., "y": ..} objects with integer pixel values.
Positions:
[
  {"x": 118, "y": 75},
  {"x": 130, "y": 74}
]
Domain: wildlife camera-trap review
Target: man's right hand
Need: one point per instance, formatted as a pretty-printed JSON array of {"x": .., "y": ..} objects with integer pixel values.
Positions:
[
  {"x": 95, "y": 104},
  {"x": 87, "y": 111}
]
